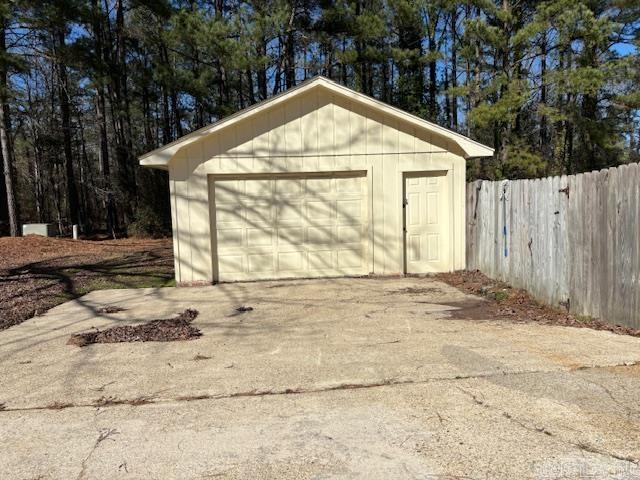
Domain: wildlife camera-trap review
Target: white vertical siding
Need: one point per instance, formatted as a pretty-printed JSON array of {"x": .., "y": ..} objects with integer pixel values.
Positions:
[{"x": 317, "y": 131}]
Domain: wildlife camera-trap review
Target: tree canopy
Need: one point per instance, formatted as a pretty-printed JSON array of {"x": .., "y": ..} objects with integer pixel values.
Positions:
[{"x": 88, "y": 85}]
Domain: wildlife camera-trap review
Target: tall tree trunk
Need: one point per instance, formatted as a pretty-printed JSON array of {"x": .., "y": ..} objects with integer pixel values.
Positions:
[
  {"x": 146, "y": 111},
  {"x": 101, "y": 120},
  {"x": 5, "y": 147},
  {"x": 252, "y": 96},
  {"x": 32, "y": 157},
  {"x": 166, "y": 117},
  {"x": 83, "y": 166},
  {"x": 433, "y": 79},
  {"x": 103, "y": 158},
  {"x": 454, "y": 67},
  {"x": 544, "y": 137},
  {"x": 8, "y": 173},
  {"x": 176, "y": 113},
  {"x": 386, "y": 96},
  {"x": 567, "y": 154},
  {"x": 4, "y": 211},
  {"x": 262, "y": 71},
  {"x": 7, "y": 154},
  {"x": 503, "y": 128},
  {"x": 447, "y": 98},
  {"x": 65, "y": 114},
  {"x": 360, "y": 68},
  {"x": 290, "y": 52},
  {"x": 474, "y": 95},
  {"x": 121, "y": 116},
  {"x": 343, "y": 64}
]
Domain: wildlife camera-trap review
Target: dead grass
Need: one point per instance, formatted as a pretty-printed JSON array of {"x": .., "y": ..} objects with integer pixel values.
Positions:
[{"x": 38, "y": 273}]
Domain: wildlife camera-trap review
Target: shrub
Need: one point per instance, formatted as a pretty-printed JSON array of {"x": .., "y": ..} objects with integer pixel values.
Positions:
[{"x": 146, "y": 224}]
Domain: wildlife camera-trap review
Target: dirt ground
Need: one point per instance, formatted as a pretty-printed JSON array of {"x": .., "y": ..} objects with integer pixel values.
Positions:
[
  {"x": 38, "y": 273},
  {"x": 506, "y": 302}
]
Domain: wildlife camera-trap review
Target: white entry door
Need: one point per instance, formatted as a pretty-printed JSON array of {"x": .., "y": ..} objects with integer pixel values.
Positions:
[
  {"x": 427, "y": 229},
  {"x": 286, "y": 226}
]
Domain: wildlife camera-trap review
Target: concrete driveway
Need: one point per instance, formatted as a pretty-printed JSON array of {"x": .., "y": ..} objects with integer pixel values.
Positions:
[{"x": 350, "y": 378}]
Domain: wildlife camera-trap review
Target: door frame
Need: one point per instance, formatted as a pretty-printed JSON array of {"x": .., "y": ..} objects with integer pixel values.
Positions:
[{"x": 448, "y": 174}]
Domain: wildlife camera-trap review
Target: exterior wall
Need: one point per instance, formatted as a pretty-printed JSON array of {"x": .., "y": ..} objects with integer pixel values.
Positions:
[{"x": 314, "y": 132}]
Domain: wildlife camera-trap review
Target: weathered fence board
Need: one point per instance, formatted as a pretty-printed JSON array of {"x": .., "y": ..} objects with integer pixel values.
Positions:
[{"x": 571, "y": 240}]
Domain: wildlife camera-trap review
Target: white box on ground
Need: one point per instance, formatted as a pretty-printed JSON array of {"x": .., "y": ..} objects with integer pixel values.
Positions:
[{"x": 42, "y": 229}]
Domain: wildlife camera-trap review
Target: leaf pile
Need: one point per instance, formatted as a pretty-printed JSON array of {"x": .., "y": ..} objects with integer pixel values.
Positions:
[{"x": 163, "y": 330}]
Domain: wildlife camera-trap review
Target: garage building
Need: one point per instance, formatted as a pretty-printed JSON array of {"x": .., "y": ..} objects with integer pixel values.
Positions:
[{"x": 319, "y": 181}]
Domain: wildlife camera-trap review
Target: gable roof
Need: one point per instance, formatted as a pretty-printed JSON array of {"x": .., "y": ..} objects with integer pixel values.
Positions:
[{"x": 160, "y": 157}]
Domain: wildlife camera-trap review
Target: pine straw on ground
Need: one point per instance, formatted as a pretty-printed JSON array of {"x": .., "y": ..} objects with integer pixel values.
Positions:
[
  {"x": 38, "y": 273},
  {"x": 164, "y": 330},
  {"x": 506, "y": 302}
]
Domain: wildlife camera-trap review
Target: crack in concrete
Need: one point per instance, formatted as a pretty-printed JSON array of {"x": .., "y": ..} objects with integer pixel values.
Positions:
[
  {"x": 103, "y": 435},
  {"x": 545, "y": 431},
  {"x": 505, "y": 414},
  {"x": 629, "y": 410},
  {"x": 593, "y": 449},
  {"x": 146, "y": 400},
  {"x": 112, "y": 401}
]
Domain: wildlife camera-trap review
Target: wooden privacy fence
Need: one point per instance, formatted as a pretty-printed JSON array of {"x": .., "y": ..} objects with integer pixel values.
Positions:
[{"x": 571, "y": 240}]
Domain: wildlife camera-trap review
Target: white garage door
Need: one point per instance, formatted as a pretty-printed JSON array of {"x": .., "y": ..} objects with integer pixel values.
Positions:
[{"x": 287, "y": 226}]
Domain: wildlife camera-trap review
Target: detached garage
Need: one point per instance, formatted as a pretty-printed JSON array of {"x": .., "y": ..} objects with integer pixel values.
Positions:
[{"x": 318, "y": 181}]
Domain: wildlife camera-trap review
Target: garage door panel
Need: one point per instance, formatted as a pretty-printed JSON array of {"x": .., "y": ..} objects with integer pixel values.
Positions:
[
  {"x": 229, "y": 191},
  {"x": 291, "y": 227},
  {"x": 349, "y": 185},
  {"x": 290, "y": 236},
  {"x": 260, "y": 262},
  {"x": 259, "y": 212},
  {"x": 231, "y": 264},
  {"x": 259, "y": 237},
  {"x": 350, "y": 258},
  {"x": 349, "y": 211},
  {"x": 322, "y": 260},
  {"x": 349, "y": 234},
  {"x": 290, "y": 212},
  {"x": 321, "y": 210},
  {"x": 319, "y": 235},
  {"x": 231, "y": 236},
  {"x": 227, "y": 214},
  {"x": 291, "y": 261},
  {"x": 289, "y": 187},
  {"x": 319, "y": 186},
  {"x": 259, "y": 188}
]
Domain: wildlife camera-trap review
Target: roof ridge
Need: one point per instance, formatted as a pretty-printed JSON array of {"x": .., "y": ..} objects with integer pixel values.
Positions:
[{"x": 305, "y": 85}]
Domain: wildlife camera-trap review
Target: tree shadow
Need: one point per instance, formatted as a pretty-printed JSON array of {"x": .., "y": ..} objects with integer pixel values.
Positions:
[{"x": 36, "y": 287}]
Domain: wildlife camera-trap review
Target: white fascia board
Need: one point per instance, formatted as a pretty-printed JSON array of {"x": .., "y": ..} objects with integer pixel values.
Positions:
[{"x": 160, "y": 157}]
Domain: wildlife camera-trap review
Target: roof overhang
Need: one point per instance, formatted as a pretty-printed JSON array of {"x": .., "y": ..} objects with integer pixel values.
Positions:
[{"x": 160, "y": 157}]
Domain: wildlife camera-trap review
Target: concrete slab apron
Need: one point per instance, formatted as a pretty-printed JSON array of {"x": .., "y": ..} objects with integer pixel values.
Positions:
[{"x": 326, "y": 378}]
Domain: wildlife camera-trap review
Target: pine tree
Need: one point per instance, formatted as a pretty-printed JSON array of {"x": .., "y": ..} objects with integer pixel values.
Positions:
[
  {"x": 6, "y": 61},
  {"x": 554, "y": 86}
]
